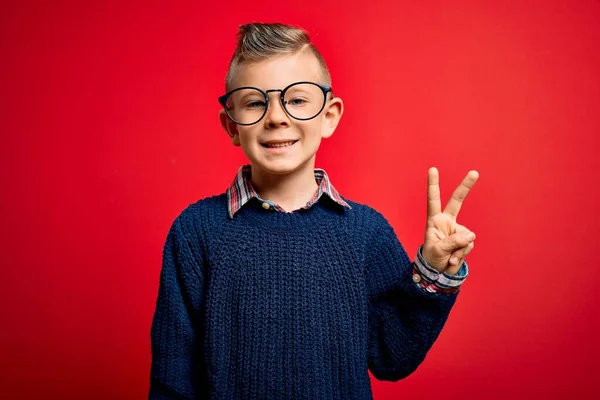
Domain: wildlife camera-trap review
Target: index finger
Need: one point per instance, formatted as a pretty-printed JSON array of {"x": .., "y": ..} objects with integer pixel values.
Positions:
[
  {"x": 434, "y": 204},
  {"x": 460, "y": 193}
]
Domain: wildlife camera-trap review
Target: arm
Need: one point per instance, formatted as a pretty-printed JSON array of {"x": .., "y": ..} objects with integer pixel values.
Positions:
[
  {"x": 404, "y": 319},
  {"x": 177, "y": 369}
]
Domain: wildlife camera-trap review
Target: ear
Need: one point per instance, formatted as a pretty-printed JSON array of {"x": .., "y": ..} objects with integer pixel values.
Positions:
[
  {"x": 230, "y": 127},
  {"x": 334, "y": 109}
]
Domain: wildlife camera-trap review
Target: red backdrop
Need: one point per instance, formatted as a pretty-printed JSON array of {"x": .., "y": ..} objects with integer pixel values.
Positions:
[{"x": 109, "y": 129}]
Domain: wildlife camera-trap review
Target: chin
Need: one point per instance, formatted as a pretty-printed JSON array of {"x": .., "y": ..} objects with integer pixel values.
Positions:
[{"x": 280, "y": 167}]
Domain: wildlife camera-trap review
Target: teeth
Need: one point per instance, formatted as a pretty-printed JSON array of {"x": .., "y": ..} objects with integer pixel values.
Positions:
[{"x": 286, "y": 144}]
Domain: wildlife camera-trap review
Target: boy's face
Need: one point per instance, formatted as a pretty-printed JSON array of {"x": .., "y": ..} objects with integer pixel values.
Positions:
[{"x": 277, "y": 125}]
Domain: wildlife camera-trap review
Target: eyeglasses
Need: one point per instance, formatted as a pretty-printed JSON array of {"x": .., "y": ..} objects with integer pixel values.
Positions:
[{"x": 301, "y": 100}]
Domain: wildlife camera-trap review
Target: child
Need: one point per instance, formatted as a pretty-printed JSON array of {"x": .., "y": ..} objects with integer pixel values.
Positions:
[{"x": 280, "y": 288}]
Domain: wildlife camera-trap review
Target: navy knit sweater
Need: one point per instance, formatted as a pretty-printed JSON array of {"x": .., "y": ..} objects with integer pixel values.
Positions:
[{"x": 274, "y": 305}]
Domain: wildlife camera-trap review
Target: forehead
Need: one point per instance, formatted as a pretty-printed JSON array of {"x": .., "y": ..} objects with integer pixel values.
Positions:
[{"x": 278, "y": 72}]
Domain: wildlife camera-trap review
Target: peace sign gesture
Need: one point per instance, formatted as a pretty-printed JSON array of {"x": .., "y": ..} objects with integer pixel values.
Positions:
[{"x": 447, "y": 243}]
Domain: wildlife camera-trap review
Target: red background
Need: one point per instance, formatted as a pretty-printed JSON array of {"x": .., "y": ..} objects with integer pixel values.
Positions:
[{"x": 109, "y": 129}]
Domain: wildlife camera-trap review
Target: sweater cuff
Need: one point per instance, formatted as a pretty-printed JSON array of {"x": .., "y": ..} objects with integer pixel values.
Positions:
[{"x": 429, "y": 279}]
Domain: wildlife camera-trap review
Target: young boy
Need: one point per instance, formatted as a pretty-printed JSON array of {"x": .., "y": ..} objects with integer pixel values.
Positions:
[{"x": 280, "y": 288}]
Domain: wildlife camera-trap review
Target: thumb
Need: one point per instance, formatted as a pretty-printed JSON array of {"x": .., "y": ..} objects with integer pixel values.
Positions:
[{"x": 456, "y": 241}]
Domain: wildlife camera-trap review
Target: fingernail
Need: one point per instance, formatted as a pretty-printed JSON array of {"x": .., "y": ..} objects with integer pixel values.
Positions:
[
  {"x": 454, "y": 260},
  {"x": 470, "y": 236}
]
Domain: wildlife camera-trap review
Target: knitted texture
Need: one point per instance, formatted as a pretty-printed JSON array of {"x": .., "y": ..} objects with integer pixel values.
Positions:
[{"x": 275, "y": 305}]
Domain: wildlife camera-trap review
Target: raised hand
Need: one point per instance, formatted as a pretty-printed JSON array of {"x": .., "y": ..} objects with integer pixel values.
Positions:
[{"x": 447, "y": 243}]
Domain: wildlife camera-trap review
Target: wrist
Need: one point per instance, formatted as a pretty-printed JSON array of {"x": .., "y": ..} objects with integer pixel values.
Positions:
[{"x": 431, "y": 262}]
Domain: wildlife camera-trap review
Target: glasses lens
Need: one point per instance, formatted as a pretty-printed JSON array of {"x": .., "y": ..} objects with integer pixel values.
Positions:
[
  {"x": 246, "y": 106},
  {"x": 304, "y": 100}
]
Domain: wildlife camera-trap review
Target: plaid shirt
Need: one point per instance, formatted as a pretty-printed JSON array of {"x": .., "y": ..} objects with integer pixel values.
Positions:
[{"x": 241, "y": 191}]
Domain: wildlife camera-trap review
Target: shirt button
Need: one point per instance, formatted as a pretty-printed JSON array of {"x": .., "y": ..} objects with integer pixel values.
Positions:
[
  {"x": 266, "y": 205},
  {"x": 416, "y": 278}
]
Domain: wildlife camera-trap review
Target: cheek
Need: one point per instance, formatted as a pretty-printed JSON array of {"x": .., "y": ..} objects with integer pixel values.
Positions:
[
  {"x": 312, "y": 131},
  {"x": 312, "y": 140},
  {"x": 247, "y": 137},
  {"x": 319, "y": 125}
]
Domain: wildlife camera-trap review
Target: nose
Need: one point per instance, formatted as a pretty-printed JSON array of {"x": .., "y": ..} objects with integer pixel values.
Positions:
[{"x": 276, "y": 115}]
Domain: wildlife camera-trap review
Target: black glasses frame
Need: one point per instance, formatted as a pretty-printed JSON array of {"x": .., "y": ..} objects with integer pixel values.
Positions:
[{"x": 223, "y": 100}]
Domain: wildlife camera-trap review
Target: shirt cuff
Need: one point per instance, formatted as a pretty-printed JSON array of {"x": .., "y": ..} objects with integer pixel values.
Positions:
[{"x": 429, "y": 279}]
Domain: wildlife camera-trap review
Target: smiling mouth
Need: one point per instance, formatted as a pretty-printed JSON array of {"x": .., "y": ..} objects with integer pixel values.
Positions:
[{"x": 276, "y": 145}]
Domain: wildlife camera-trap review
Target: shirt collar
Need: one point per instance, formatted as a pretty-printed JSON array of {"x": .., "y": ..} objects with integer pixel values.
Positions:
[{"x": 241, "y": 191}]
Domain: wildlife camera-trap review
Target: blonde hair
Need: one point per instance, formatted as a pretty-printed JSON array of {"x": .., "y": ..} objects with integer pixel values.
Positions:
[{"x": 260, "y": 41}]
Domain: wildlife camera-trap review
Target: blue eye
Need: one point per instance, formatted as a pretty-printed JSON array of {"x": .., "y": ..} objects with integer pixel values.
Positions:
[
  {"x": 296, "y": 102},
  {"x": 255, "y": 104}
]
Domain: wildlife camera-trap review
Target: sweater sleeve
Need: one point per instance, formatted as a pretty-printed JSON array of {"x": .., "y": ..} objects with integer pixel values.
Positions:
[
  {"x": 176, "y": 370},
  {"x": 404, "y": 320}
]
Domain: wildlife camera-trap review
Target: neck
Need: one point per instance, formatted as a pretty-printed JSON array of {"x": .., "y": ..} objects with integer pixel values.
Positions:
[{"x": 290, "y": 191}]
